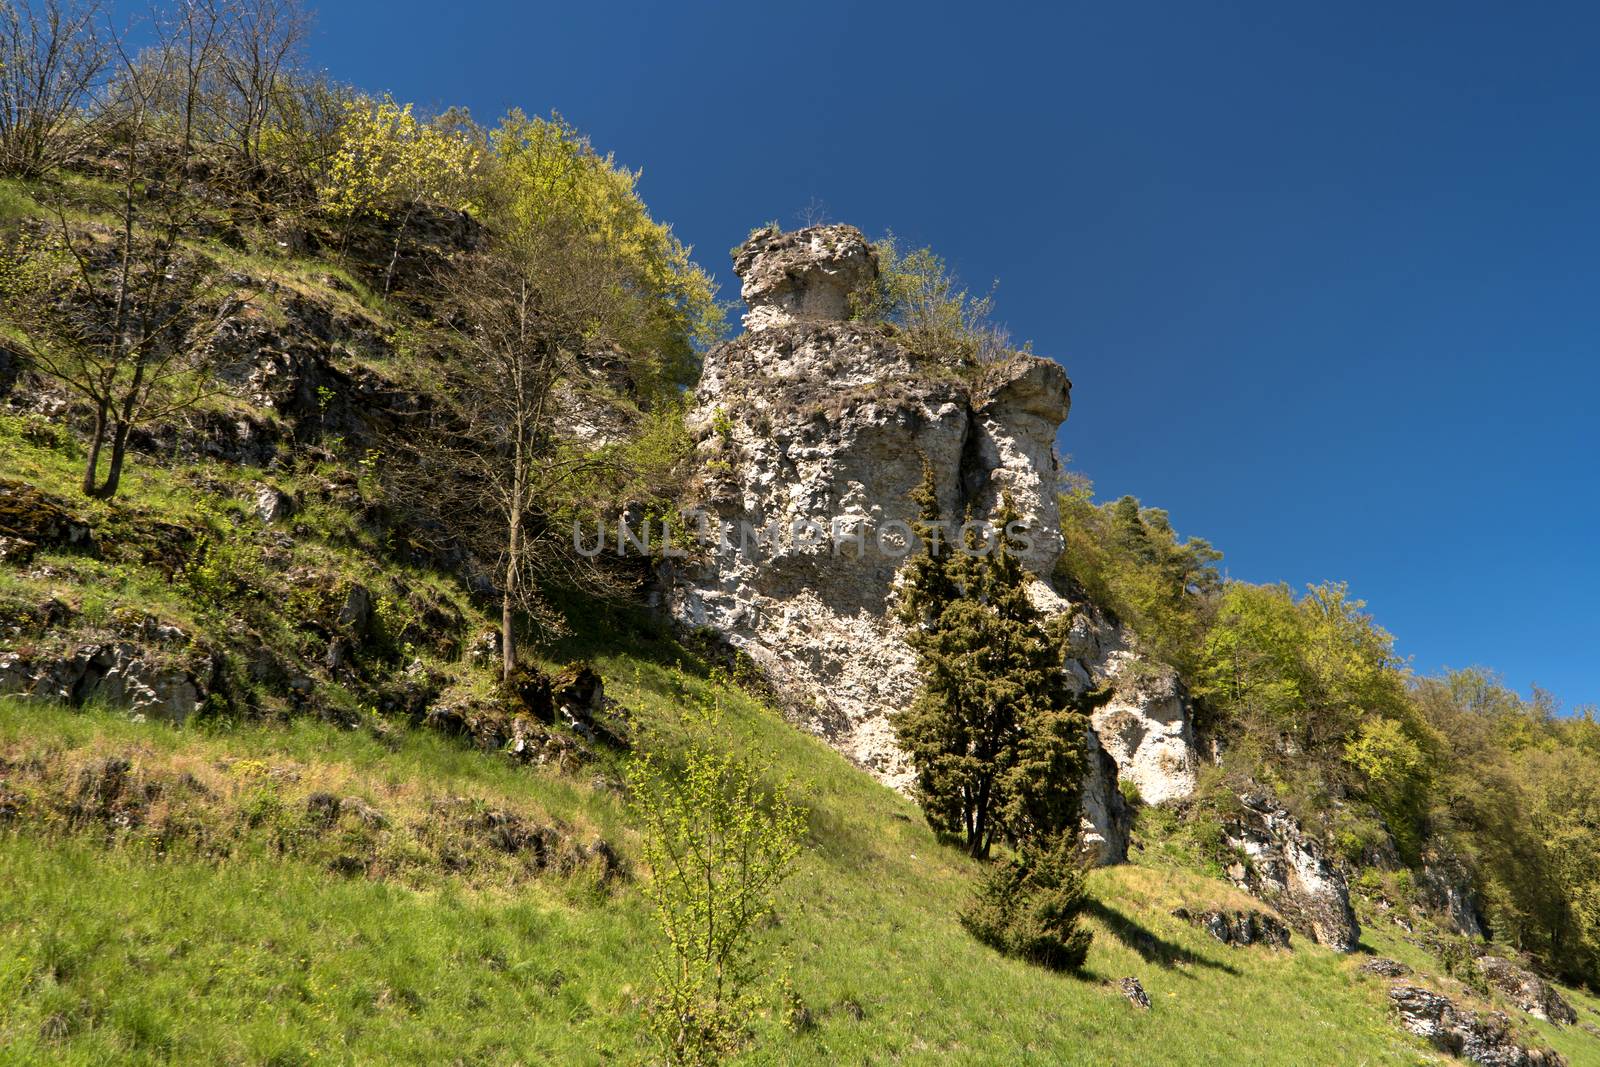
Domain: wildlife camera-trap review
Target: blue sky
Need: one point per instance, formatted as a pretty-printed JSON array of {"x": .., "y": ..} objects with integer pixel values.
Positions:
[{"x": 1324, "y": 275}]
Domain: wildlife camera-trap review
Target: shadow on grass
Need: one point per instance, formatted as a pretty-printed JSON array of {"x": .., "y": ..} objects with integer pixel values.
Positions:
[{"x": 1152, "y": 947}]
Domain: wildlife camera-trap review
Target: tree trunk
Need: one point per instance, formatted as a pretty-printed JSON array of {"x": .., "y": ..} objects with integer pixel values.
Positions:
[
  {"x": 394, "y": 258},
  {"x": 508, "y": 646},
  {"x": 119, "y": 453},
  {"x": 978, "y": 842},
  {"x": 91, "y": 469}
]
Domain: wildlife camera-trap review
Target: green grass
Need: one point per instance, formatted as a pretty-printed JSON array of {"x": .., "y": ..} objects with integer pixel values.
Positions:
[
  {"x": 16, "y": 201},
  {"x": 108, "y": 956}
]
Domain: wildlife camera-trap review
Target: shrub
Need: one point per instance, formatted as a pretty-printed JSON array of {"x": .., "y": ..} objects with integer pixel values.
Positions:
[
  {"x": 1030, "y": 907},
  {"x": 718, "y": 845}
]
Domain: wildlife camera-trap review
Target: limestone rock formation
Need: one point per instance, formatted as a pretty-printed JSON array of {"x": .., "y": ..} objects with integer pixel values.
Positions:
[
  {"x": 1287, "y": 868},
  {"x": 1107, "y": 818},
  {"x": 806, "y": 275},
  {"x": 1526, "y": 990},
  {"x": 813, "y": 432},
  {"x": 1147, "y": 728},
  {"x": 120, "y": 674},
  {"x": 1446, "y": 887},
  {"x": 1485, "y": 1038}
]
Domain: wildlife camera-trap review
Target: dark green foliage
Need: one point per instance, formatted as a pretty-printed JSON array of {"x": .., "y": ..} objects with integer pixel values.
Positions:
[
  {"x": 1128, "y": 559},
  {"x": 1029, "y": 906},
  {"x": 996, "y": 735}
]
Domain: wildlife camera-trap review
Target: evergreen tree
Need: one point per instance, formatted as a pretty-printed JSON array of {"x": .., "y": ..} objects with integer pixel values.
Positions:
[
  {"x": 996, "y": 735},
  {"x": 1028, "y": 906}
]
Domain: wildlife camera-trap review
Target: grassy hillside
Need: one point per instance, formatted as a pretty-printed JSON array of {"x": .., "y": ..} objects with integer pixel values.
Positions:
[{"x": 111, "y": 952}]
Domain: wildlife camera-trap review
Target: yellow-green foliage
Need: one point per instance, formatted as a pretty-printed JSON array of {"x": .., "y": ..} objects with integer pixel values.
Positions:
[
  {"x": 1130, "y": 561},
  {"x": 1308, "y": 670},
  {"x": 717, "y": 846},
  {"x": 1516, "y": 792},
  {"x": 939, "y": 318},
  {"x": 388, "y": 160},
  {"x": 552, "y": 197}
]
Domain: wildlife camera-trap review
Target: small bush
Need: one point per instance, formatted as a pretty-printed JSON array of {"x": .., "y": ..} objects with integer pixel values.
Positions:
[{"x": 1029, "y": 907}]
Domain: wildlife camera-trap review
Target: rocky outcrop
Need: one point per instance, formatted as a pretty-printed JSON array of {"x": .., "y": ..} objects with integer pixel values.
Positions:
[
  {"x": 1287, "y": 867},
  {"x": 1238, "y": 927},
  {"x": 1485, "y": 1038},
  {"x": 141, "y": 678},
  {"x": 36, "y": 519},
  {"x": 813, "y": 433},
  {"x": 1148, "y": 729},
  {"x": 808, "y": 275},
  {"x": 1446, "y": 887},
  {"x": 1107, "y": 818},
  {"x": 1526, "y": 990},
  {"x": 1383, "y": 967}
]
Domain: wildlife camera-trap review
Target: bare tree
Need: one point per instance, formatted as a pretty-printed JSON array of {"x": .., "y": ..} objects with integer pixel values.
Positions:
[
  {"x": 261, "y": 43},
  {"x": 122, "y": 316},
  {"x": 51, "y": 60},
  {"x": 490, "y": 463}
]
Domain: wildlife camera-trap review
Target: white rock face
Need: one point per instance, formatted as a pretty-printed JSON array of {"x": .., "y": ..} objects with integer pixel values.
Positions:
[
  {"x": 1148, "y": 729},
  {"x": 814, "y": 430},
  {"x": 807, "y": 275},
  {"x": 1288, "y": 868}
]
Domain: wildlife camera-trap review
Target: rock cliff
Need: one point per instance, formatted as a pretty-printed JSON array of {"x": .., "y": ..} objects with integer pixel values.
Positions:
[{"x": 814, "y": 429}]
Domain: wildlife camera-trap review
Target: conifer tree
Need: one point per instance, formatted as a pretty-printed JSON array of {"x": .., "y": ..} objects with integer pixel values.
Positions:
[
  {"x": 1028, "y": 907},
  {"x": 996, "y": 736}
]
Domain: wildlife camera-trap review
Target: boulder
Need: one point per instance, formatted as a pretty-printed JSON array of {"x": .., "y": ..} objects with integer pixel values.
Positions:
[
  {"x": 1238, "y": 927},
  {"x": 1107, "y": 820},
  {"x": 29, "y": 515},
  {"x": 272, "y": 504},
  {"x": 1385, "y": 968},
  {"x": 1133, "y": 989},
  {"x": 1526, "y": 990},
  {"x": 355, "y": 615},
  {"x": 1288, "y": 868},
  {"x": 1485, "y": 1038}
]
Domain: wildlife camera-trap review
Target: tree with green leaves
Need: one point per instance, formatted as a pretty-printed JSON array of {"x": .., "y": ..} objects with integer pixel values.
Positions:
[
  {"x": 939, "y": 319},
  {"x": 1128, "y": 559},
  {"x": 718, "y": 843},
  {"x": 1028, "y": 906},
  {"x": 390, "y": 164},
  {"x": 547, "y": 190},
  {"x": 997, "y": 737}
]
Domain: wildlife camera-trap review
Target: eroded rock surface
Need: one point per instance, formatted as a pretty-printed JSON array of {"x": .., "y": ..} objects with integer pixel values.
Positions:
[
  {"x": 1287, "y": 867},
  {"x": 1485, "y": 1038},
  {"x": 813, "y": 431},
  {"x": 1526, "y": 990},
  {"x": 1148, "y": 729},
  {"x": 144, "y": 679}
]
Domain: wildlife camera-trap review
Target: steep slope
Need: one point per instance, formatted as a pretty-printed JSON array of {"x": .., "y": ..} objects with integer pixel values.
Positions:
[{"x": 298, "y": 820}]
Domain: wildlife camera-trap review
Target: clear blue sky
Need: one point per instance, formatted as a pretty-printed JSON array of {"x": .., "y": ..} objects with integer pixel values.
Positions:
[{"x": 1324, "y": 275}]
